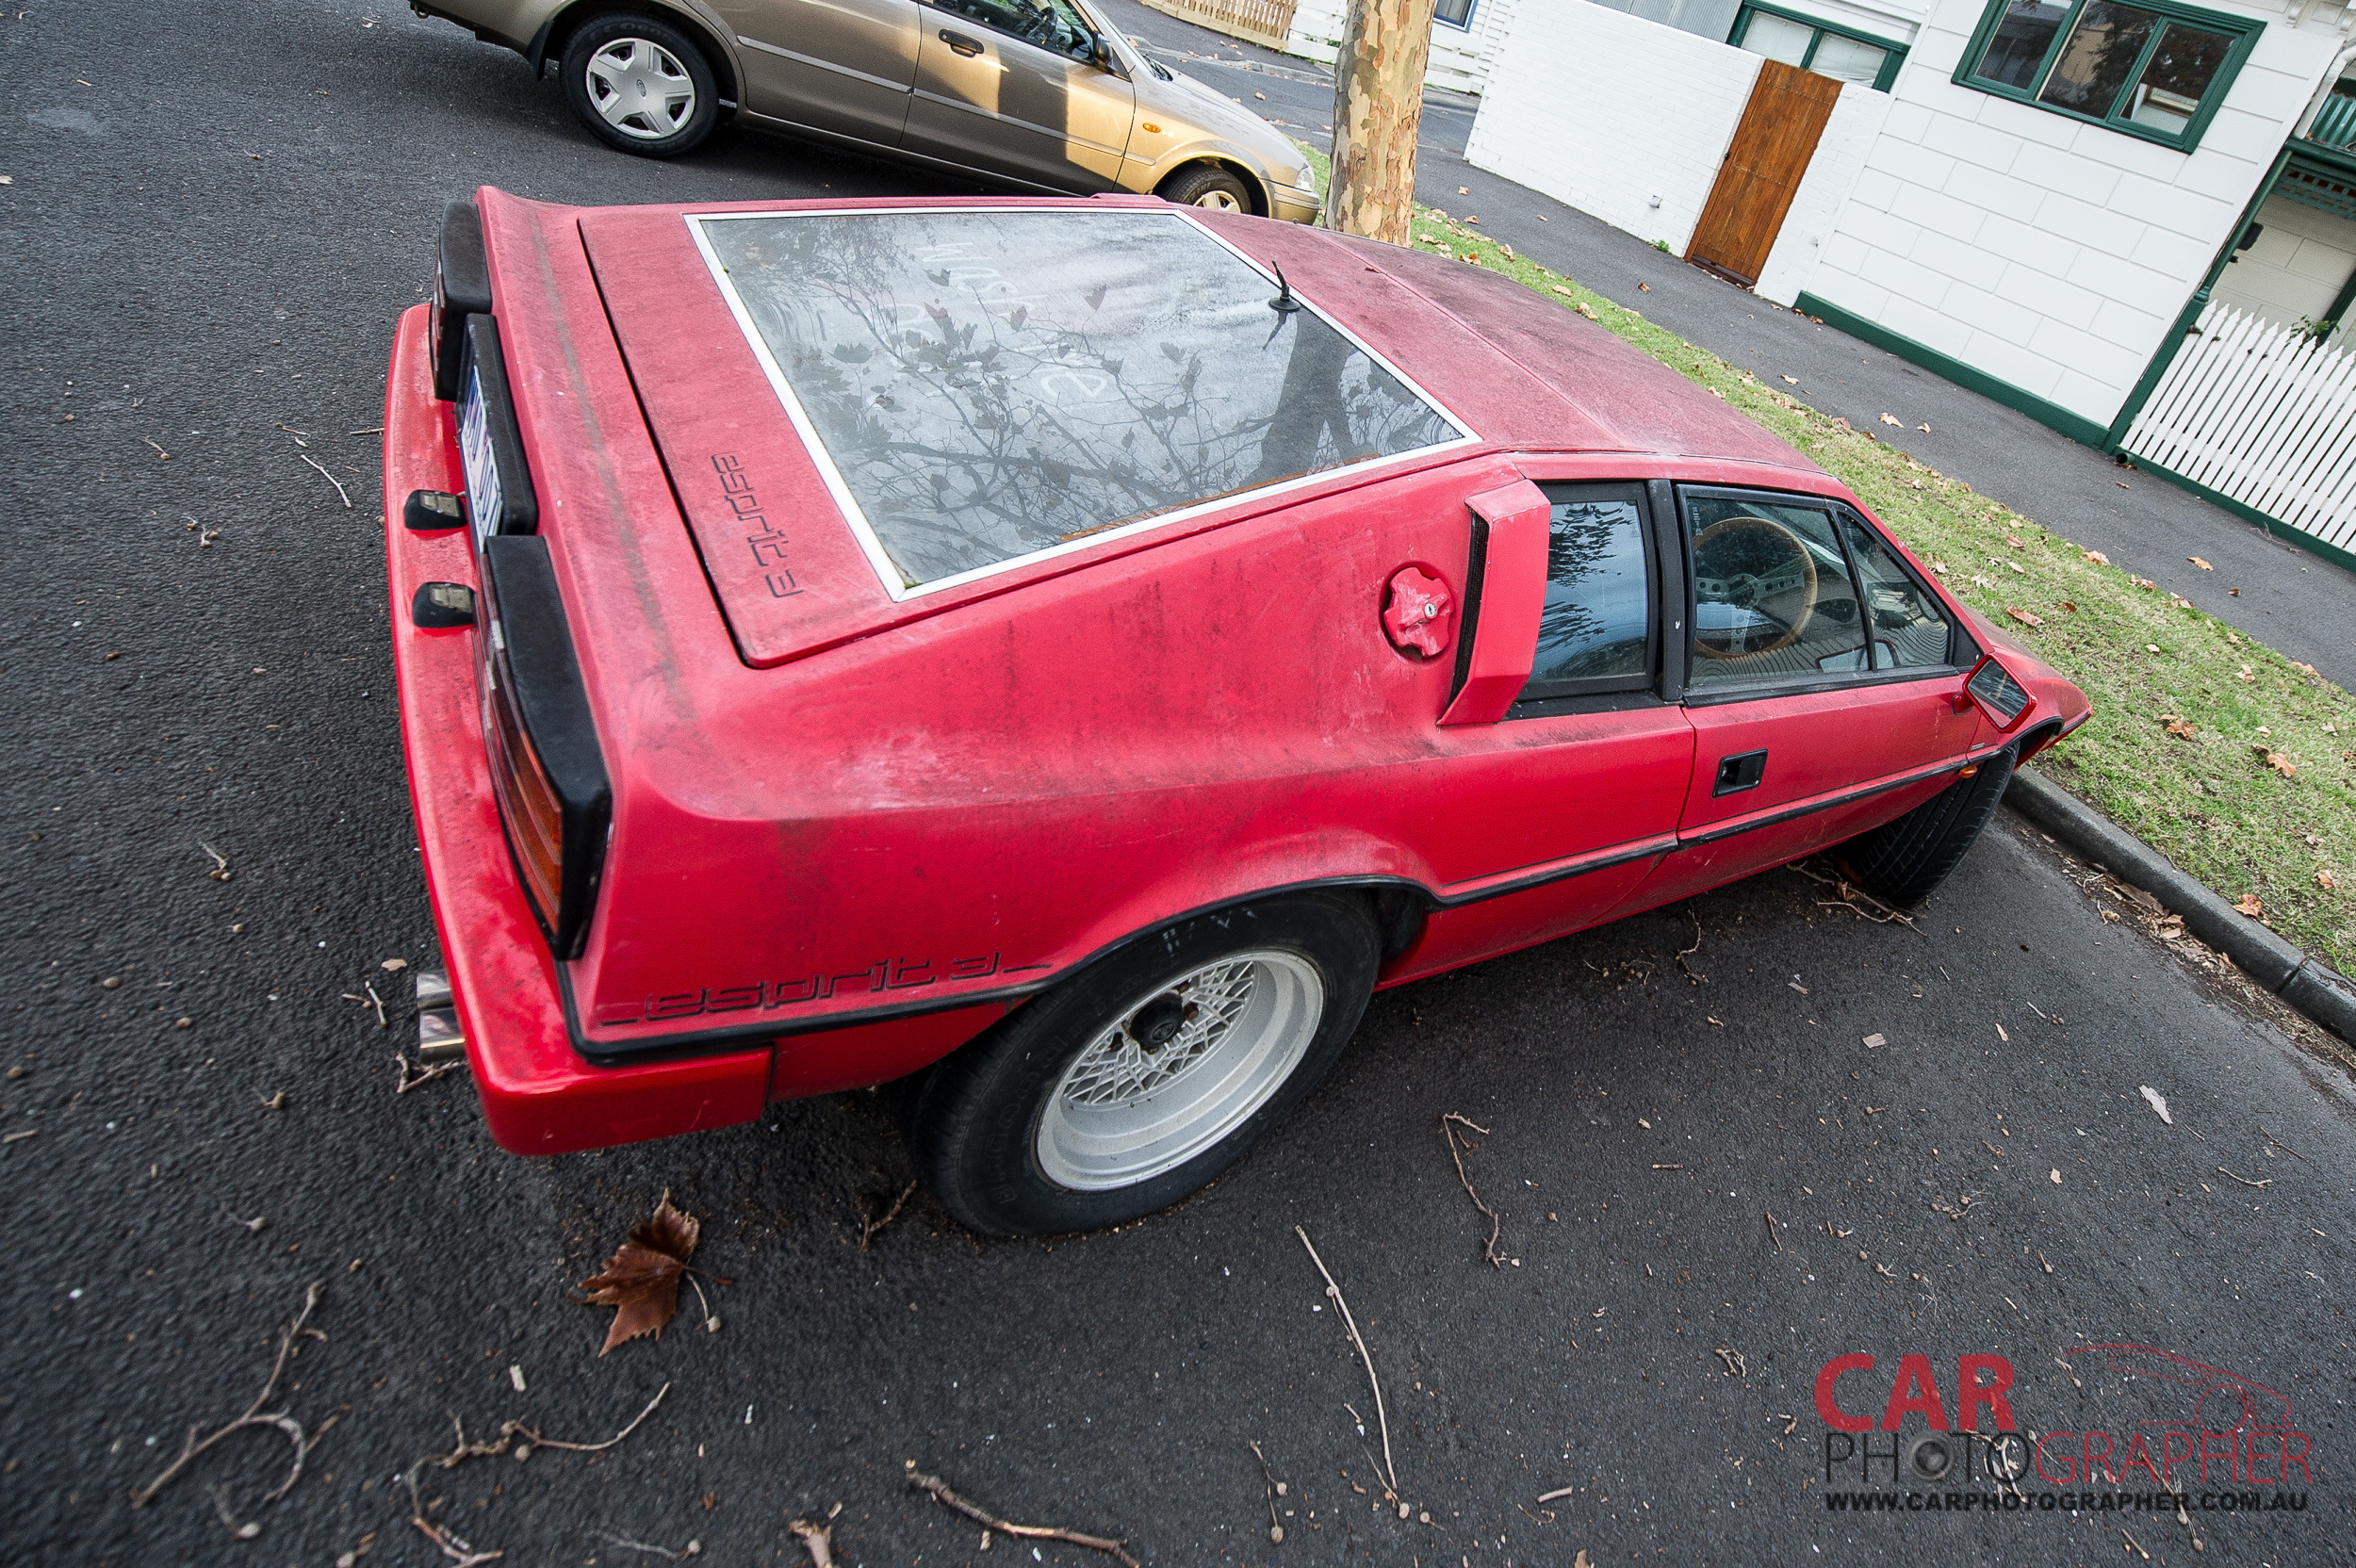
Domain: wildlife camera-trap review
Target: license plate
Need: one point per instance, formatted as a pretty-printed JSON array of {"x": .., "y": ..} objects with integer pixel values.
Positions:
[{"x": 477, "y": 456}]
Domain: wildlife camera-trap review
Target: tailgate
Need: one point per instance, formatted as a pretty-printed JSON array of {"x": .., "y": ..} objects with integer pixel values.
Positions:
[{"x": 790, "y": 575}]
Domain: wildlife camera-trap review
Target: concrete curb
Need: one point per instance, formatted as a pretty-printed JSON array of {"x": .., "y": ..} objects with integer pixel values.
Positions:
[{"x": 2303, "y": 983}]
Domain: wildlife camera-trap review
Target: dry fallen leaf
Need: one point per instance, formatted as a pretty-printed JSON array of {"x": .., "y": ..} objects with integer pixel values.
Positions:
[
  {"x": 2184, "y": 730},
  {"x": 2248, "y": 904},
  {"x": 1875, "y": 1042},
  {"x": 2098, "y": 558},
  {"x": 2158, "y": 1102},
  {"x": 1924, "y": 429},
  {"x": 2023, "y": 616},
  {"x": 2325, "y": 880},
  {"x": 1792, "y": 380},
  {"x": 640, "y": 1278},
  {"x": 2203, "y": 565},
  {"x": 1894, "y": 419},
  {"x": 2276, "y": 761}
]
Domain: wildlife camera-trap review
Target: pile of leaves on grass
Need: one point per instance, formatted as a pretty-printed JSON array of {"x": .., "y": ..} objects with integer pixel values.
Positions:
[{"x": 2236, "y": 761}]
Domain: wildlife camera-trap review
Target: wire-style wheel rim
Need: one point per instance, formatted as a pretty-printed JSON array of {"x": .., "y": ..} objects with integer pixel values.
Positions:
[
  {"x": 1218, "y": 200},
  {"x": 1182, "y": 1067},
  {"x": 640, "y": 89}
]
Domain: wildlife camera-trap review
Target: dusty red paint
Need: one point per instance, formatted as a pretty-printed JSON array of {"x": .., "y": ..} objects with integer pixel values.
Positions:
[{"x": 848, "y": 834}]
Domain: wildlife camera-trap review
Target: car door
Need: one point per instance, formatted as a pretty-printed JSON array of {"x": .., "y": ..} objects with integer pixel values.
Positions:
[
  {"x": 1825, "y": 685},
  {"x": 1563, "y": 768},
  {"x": 1014, "y": 86},
  {"x": 844, "y": 65}
]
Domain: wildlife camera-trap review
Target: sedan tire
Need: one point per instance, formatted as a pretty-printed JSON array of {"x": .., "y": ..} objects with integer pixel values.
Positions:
[
  {"x": 1902, "y": 861},
  {"x": 1139, "y": 1081},
  {"x": 641, "y": 84},
  {"x": 1206, "y": 184}
]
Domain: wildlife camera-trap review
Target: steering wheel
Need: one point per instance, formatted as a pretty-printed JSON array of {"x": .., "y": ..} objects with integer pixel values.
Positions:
[{"x": 1757, "y": 561}]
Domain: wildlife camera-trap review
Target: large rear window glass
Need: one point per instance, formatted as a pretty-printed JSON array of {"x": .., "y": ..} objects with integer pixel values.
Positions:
[{"x": 987, "y": 387}]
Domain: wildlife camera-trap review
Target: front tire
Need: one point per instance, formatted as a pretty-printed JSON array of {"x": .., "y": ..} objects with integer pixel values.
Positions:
[
  {"x": 641, "y": 84},
  {"x": 1136, "y": 1082},
  {"x": 1204, "y": 184},
  {"x": 1901, "y": 862}
]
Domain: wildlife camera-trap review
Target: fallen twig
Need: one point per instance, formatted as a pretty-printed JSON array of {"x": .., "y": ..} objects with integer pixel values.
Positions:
[
  {"x": 1117, "y": 1550},
  {"x": 1449, "y": 1121},
  {"x": 340, "y": 492},
  {"x": 1850, "y": 897},
  {"x": 2243, "y": 1179},
  {"x": 413, "y": 1077},
  {"x": 818, "y": 1539},
  {"x": 1275, "y": 1490},
  {"x": 626, "y": 1544},
  {"x": 463, "y": 1553},
  {"x": 371, "y": 1000},
  {"x": 1558, "y": 1492},
  {"x": 221, "y": 871},
  {"x": 1691, "y": 978},
  {"x": 255, "y": 1416},
  {"x": 534, "y": 1440},
  {"x": 1736, "y": 1365},
  {"x": 1771, "y": 1232},
  {"x": 455, "y": 1546},
  {"x": 1382, "y": 1420},
  {"x": 870, "y": 1228},
  {"x": 2286, "y": 1148}
]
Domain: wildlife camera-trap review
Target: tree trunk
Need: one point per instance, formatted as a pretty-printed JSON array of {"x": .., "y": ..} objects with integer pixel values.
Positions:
[{"x": 1378, "y": 105}]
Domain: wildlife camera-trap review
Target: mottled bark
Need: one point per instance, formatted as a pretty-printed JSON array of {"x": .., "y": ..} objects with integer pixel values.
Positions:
[{"x": 1378, "y": 105}]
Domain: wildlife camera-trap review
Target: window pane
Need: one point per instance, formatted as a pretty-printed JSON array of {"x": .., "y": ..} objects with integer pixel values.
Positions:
[
  {"x": 1456, "y": 11},
  {"x": 1909, "y": 626},
  {"x": 2094, "y": 64},
  {"x": 2017, "y": 47},
  {"x": 1848, "y": 59},
  {"x": 2181, "y": 69},
  {"x": 1599, "y": 614},
  {"x": 1771, "y": 595},
  {"x": 1779, "y": 38}
]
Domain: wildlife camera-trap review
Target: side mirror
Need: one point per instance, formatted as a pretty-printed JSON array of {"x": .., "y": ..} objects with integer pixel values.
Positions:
[
  {"x": 1505, "y": 594},
  {"x": 1999, "y": 697},
  {"x": 1100, "y": 55}
]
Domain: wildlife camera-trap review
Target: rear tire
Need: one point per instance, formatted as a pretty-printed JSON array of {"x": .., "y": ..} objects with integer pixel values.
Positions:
[
  {"x": 1136, "y": 1082},
  {"x": 641, "y": 84},
  {"x": 1206, "y": 184},
  {"x": 1901, "y": 862}
]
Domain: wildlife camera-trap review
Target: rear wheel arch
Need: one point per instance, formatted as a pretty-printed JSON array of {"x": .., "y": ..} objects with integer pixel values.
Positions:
[{"x": 548, "y": 44}]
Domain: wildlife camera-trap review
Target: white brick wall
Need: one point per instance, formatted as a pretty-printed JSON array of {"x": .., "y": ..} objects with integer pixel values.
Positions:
[
  {"x": 1857, "y": 122},
  {"x": 1460, "y": 56},
  {"x": 2052, "y": 253},
  {"x": 1612, "y": 114},
  {"x": 2297, "y": 265}
]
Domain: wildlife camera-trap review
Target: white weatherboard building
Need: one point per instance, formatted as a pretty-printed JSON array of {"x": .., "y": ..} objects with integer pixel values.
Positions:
[{"x": 2132, "y": 220}]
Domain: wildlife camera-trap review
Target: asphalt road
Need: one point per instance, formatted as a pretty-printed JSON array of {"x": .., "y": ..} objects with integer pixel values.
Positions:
[{"x": 213, "y": 215}]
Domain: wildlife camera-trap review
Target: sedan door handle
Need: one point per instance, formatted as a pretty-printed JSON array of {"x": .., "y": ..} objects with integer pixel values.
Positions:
[
  {"x": 960, "y": 44},
  {"x": 1739, "y": 773}
]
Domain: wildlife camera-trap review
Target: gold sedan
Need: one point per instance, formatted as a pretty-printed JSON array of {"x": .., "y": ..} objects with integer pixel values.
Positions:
[{"x": 1034, "y": 93}]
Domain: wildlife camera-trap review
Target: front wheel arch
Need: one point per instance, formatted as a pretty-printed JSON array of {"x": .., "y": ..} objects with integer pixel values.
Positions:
[
  {"x": 1254, "y": 189},
  {"x": 547, "y": 45}
]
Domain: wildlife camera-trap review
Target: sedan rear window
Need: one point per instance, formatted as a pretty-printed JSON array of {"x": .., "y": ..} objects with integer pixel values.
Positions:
[{"x": 984, "y": 387}]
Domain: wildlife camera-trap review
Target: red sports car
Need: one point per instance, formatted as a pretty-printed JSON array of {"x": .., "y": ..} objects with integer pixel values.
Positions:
[{"x": 1066, "y": 654}]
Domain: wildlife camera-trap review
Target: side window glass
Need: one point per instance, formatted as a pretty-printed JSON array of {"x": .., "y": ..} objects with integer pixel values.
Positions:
[
  {"x": 1771, "y": 595},
  {"x": 1595, "y": 631},
  {"x": 1908, "y": 628},
  {"x": 1051, "y": 25}
]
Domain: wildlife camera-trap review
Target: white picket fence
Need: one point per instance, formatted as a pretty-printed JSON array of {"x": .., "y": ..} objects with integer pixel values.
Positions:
[{"x": 2262, "y": 412}]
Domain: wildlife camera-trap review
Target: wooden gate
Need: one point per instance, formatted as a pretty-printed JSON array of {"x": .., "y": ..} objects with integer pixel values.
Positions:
[
  {"x": 1771, "y": 152},
  {"x": 1268, "y": 22},
  {"x": 2264, "y": 414}
]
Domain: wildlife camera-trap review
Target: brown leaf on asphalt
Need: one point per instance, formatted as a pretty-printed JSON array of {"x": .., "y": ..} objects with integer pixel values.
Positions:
[
  {"x": 2203, "y": 565},
  {"x": 640, "y": 1278},
  {"x": 2023, "y": 616},
  {"x": 2248, "y": 904},
  {"x": 1894, "y": 419}
]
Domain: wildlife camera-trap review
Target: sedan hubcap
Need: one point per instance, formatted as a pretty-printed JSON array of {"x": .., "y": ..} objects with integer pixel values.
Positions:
[
  {"x": 1182, "y": 1067},
  {"x": 641, "y": 88},
  {"x": 1219, "y": 200}
]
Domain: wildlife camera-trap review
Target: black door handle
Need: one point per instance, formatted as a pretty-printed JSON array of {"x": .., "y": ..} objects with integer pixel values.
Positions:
[
  {"x": 1739, "y": 773},
  {"x": 960, "y": 44}
]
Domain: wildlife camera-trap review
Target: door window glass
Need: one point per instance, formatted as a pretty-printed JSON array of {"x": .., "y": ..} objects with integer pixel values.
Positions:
[
  {"x": 1595, "y": 631},
  {"x": 1909, "y": 628},
  {"x": 1051, "y": 25},
  {"x": 1771, "y": 595}
]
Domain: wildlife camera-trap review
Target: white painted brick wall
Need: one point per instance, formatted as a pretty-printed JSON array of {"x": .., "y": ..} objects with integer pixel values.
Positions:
[
  {"x": 1460, "y": 56},
  {"x": 1834, "y": 175},
  {"x": 1607, "y": 112},
  {"x": 2086, "y": 242}
]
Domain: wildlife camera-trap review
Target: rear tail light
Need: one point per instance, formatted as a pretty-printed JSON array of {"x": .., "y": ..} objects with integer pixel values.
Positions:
[{"x": 546, "y": 767}]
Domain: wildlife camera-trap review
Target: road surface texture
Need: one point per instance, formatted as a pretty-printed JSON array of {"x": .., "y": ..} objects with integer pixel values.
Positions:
[{"x": 214, "y": 214}]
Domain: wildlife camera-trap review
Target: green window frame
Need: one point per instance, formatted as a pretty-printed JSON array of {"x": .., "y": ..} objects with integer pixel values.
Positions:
[
  {"x": 1895, "y": 55},
  {"x": 2168, "y": 17}
]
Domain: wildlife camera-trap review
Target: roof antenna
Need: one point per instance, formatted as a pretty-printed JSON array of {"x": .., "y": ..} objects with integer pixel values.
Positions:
[{"x": 1283, "y": 304}]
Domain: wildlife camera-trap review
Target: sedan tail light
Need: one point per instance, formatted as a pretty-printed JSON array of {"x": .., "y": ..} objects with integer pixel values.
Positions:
[{"x": 546, "y": 766}]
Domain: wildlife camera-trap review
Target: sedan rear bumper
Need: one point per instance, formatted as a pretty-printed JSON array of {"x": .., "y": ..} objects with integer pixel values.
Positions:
[{"x": 539, "y": 1097}]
